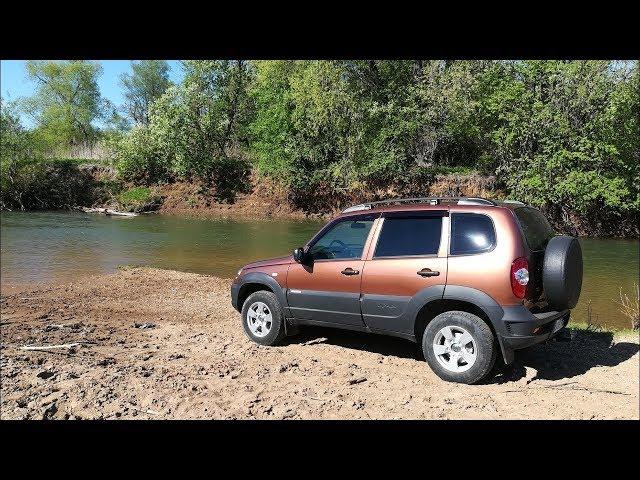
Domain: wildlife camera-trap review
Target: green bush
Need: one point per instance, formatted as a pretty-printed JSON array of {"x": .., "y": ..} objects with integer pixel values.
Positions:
[
  {"x": 43, "y": 185},
  {"x": 139, "y": 199},
  {"x": 195, "y": 131},
  {"x": 561, "y": 135}
]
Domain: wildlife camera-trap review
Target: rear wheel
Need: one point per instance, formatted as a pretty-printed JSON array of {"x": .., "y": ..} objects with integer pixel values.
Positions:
[
  {"x": 262, "y": 318},
  {"x": 459, "y": 347}
]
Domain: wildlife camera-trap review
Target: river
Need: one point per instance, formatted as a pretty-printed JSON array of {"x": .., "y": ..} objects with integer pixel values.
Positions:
[{"x": 62, "y": 246}]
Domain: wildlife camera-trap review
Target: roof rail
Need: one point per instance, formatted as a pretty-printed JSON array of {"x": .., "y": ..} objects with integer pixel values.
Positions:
[
  {"x": 429, "y": 200},
  {"x": 517, "y": 202},
  {"x": 475, "y": 201}
]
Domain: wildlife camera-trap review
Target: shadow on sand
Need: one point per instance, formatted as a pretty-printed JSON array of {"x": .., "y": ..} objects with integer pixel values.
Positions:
[
  {"x": 553, "y": 360},
  {"x": 367, "y": 342}
]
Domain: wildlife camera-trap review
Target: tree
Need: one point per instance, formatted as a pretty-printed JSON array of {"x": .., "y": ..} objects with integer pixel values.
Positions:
[
  {"x": 67, "y": 101},
  {"x": 11, "y": 131},
  {"x": 564, "y": 136},
  {"x": 147, "y": 82},
  {"x": 305, "y": 128},
  {"x": 561, "y": 135},
  {"x": 197, "y": 129},
  {"x": 13, "y": 149},
  {"x": 271, "y": 129}
]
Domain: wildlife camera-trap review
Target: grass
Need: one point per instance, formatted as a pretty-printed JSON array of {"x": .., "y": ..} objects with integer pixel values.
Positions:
[
  {"x": 629, "y": 306},
  {"x": 590, "y": 326},
  {"x": 128, "y": 266},
  {"x": 460, "y": 170},
  {"x": 135, "y": 195},
  {"x": 139, "y": 199},
  {"x": 617, "y": 332}
]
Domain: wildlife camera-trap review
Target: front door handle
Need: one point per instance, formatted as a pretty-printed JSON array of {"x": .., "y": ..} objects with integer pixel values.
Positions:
[
  {"x": 427, "y": 272},
  {"x": 350, "y": 271}
]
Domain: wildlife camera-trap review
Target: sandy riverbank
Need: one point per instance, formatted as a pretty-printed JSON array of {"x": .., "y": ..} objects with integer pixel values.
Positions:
[{"x": 195, "y": 362}]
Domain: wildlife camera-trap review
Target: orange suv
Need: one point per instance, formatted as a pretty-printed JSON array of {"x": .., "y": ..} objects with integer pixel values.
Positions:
[{"x": 467, "y": 278}]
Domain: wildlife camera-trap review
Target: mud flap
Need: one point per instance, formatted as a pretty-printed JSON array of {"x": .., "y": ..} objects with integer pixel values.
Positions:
[
  {"x": 507, "y": 353},
  {"x": 290, "y": 328},
  {"x": 563, "y": 335}
]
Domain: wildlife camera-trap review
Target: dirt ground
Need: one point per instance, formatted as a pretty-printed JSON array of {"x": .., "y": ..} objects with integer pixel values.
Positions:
[
  {"x": 185, "y": 199},
  {"x": 269, "y": 199},
  {"x": 194, "y": 361}
]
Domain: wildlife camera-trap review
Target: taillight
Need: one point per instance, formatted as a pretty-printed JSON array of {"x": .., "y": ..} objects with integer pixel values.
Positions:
[{"x": 519, "y": 277}]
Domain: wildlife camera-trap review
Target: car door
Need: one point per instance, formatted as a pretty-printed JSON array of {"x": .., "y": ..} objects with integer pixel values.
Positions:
[
  {"x": 325, "y": 287},
  {"x": 405, "y": 268}
]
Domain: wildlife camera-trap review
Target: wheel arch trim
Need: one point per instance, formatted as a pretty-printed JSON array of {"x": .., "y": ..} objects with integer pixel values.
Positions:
[
  {"x": 485, "y": 303},
  {"x": 261, "y": 278}
]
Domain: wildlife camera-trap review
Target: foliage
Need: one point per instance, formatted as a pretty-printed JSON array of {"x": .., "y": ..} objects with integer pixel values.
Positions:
[
  {"x": 561, "y": 135},
  {"x": 67, "y": 101},
  {"x": 629, "y": 306},
  {"x": 31, "y": 181},
  {"x": 15, "y": 153},
  {"x": 44, "y": 185},
  {"x": 564, "y": 135},
  {"x": 139, "y": 156},
  {"x": 195, "y": 130},
  {"x": 342, "y": 124},
  {"x": 147, "y": 82},
  {"x": 138, "y": 199}
]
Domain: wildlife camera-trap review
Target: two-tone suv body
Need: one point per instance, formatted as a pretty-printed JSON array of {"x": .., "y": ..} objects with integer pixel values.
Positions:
[{"x": 467, "y": 278}]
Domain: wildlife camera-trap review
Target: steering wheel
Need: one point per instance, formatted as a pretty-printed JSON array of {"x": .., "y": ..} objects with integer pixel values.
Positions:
[
  {"x": 323, "y": 253},
  {"x": 343, "y": 246}
]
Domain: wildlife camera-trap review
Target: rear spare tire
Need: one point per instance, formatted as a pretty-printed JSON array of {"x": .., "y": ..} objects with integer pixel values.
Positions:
[{"x": 562, "y": 272}]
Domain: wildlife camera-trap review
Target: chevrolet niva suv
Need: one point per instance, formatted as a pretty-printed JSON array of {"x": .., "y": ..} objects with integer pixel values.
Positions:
[{"x": 467, "y": 278}]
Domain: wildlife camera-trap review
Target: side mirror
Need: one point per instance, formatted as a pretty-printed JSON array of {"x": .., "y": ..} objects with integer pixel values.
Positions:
[{"x": 298, "y": 254}]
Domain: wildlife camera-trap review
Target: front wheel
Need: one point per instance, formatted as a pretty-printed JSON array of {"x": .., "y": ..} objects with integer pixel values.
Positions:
[
  {"x": 459, "y": 347},
  {"x": 262, "y": 318}
]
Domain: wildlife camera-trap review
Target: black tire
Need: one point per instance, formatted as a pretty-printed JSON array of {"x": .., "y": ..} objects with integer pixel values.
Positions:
[
  {"x": 562, "y": 272},
  {"x": 482, "y": 337},
  {"x": 277, "y": 330}
]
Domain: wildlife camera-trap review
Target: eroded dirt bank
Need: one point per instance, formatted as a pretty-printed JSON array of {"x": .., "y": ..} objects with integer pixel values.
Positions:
[
  {"x": 268, "y": 199},
  {"x": 195, "y": 362}
]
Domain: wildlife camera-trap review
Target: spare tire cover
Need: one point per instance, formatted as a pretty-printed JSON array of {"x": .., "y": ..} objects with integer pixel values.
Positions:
[{"x": 562, "y": 272}]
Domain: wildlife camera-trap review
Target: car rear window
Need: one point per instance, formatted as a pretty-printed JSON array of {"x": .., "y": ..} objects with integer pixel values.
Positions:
[
  {"x": 535, "y": 227},
  {"x": 409, "y": 236},
  {"x": 471, "y": 233}
]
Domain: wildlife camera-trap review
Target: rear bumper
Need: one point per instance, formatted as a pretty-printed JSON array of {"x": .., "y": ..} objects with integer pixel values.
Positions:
[{"x": 521, "y": 328}]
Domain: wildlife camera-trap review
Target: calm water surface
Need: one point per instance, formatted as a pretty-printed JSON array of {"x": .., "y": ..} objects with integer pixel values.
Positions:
[{"x": 44, "y": 246}]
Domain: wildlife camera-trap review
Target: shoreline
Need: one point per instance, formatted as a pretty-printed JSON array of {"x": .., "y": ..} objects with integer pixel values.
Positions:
[
  {"x": 9, "y": 287},
  {"x": 223, "y": 211},
  {"x": 156, "y": 344}
]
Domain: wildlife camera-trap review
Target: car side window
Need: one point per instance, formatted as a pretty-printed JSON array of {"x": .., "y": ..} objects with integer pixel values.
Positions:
[
  {"x": 409, "y": 237},
  {"x": 345, "y": 239},
  {"x": 471, "y": 233}
]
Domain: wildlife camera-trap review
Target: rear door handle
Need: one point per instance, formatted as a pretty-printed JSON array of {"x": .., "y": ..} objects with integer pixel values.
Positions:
[
  {"x": 427, "y": 272},
  {"x": 350, "y": 271}
]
